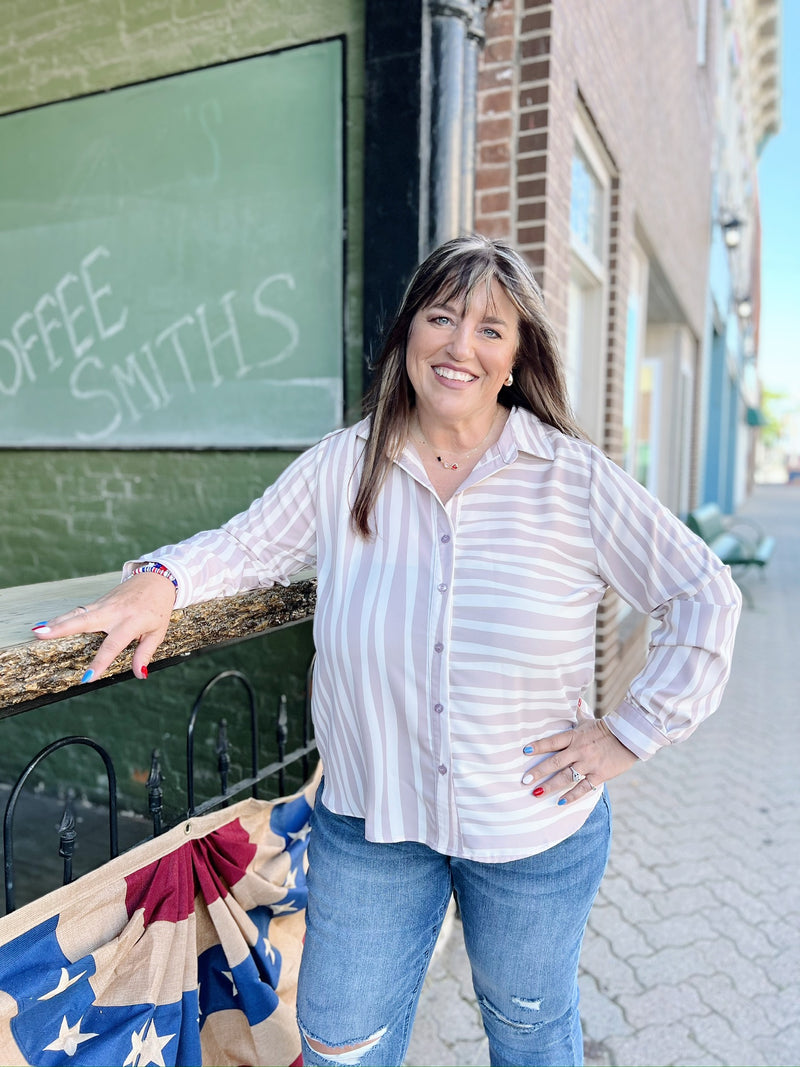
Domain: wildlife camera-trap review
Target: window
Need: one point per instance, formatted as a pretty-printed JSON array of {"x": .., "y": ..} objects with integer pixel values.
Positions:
[
  {"x": 588, "y": 284},
  {"x": 587, "y": 206}
]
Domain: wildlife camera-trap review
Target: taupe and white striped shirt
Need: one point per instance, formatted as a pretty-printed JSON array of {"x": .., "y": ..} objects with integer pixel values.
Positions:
[{"x": 465, "y": 630}]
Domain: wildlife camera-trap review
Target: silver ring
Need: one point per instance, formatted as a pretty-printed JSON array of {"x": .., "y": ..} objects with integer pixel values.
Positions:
[
  {"x": 577, "y": 776},
  {"x": 592, "y": 787}
]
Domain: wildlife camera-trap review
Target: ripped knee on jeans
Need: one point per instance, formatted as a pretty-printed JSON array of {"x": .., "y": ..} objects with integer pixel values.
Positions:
[
  {"x": 344, "y": 1054},
  {"x": 529, "y": 1005}
]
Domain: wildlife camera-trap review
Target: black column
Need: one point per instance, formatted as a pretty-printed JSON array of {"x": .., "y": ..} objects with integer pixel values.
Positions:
[{"x": 395, "y": 156}]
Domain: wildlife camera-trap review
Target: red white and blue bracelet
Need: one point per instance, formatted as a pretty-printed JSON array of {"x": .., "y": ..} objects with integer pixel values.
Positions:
[{"x": 151, "y": 567}]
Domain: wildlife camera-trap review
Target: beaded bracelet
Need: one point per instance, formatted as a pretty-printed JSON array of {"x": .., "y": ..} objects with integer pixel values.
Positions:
[{"x": 150, "y": 567}]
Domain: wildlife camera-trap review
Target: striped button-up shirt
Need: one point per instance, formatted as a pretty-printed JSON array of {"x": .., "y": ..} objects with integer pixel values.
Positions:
[{"x": 463, "y": 631}]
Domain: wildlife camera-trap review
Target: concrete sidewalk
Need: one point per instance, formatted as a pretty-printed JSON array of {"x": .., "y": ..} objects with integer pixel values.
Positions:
[{"x": 692, "y": 955}]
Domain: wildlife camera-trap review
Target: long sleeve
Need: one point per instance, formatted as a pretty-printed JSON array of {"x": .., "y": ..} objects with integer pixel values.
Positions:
[
  {"x": 661, "y": 568},
  {"x": 274, "y": 539}
]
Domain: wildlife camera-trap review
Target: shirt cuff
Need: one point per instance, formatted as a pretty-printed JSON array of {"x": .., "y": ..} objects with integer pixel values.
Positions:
[{"x": 635, "y": 730}]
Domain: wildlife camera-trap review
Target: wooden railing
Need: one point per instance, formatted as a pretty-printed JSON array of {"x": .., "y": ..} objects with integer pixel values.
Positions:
[{"x": 35, "y": 672}]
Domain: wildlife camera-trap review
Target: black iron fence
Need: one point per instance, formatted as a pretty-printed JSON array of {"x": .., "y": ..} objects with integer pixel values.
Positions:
[{"x": 275, "y": 769}]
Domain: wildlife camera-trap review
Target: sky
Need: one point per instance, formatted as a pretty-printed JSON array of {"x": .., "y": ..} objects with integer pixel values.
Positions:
[{"x": 779, "y": 190}]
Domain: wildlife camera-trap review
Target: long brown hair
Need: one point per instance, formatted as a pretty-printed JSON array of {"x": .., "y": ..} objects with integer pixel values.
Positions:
[{"x": 452, "y": 272}]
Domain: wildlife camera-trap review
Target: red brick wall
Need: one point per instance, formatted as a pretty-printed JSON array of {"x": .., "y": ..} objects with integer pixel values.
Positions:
[{"x": 495, "y": 185}]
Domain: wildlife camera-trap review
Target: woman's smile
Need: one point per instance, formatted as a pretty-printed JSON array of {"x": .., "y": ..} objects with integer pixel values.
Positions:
[{"x": 451, "y": 375}]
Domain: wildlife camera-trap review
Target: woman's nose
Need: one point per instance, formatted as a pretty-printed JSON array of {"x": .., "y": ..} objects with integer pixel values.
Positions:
[{"x": 460, "y": 346}]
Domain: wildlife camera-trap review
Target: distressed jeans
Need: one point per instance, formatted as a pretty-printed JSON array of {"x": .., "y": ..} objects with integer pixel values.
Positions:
[{"x": 375, "y": 911}]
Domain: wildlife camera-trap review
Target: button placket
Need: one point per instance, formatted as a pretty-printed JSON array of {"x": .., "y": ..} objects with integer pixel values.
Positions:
[{"x": 442, "y": 580}]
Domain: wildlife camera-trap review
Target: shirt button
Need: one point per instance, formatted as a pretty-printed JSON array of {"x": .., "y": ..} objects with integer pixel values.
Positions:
[
  {"x": 438, "y": 708},
  {"x": 442, "y": 587},
  {"x": 442, "y": 769},
  {"x": 445, "y": 538},
  {"x": 438, "y": 647}
]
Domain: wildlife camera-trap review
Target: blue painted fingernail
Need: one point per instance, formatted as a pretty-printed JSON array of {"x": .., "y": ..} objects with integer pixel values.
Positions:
[
  {"x": 87, "y": 677},
  {"x": 528, "y": 749},
  {"x": 38, "y": 624},
  {"x": 562, "y": 801}
]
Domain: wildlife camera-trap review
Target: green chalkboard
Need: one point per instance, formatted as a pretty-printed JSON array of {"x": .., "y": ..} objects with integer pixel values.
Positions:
[{"x": 172, "y": 260}]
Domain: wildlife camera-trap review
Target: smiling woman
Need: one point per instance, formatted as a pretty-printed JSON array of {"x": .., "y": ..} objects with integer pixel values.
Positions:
[{"x": 464, "y": 534}]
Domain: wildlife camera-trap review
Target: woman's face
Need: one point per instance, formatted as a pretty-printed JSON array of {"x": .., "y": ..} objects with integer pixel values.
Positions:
[{"x": 458, "y": 355}]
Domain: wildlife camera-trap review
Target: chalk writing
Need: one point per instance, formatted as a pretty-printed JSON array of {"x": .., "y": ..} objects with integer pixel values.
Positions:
[{"x": 73, "y": 321}]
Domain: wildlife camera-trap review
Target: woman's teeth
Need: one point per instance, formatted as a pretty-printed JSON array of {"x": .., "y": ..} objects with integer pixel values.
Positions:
[{"x": 453, "y": 375}]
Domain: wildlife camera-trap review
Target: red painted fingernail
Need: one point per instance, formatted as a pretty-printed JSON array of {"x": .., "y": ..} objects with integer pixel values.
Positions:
[
  {"x": 144, "y": 671},
  {"x": 538, "y": 791}
]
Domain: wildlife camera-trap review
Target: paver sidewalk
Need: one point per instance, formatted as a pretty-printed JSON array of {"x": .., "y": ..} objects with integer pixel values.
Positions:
[{"x": 692, "y": 955}]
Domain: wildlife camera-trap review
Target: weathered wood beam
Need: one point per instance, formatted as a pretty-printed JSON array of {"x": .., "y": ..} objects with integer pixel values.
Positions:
[{"x": 35, "y": 672}]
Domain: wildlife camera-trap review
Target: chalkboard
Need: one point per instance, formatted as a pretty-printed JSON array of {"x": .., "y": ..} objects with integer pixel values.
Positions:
[{"x": 172, "y": 260}]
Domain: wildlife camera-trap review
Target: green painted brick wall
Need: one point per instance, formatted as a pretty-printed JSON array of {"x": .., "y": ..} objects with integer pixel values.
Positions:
[{"x": 70, "y": 513}]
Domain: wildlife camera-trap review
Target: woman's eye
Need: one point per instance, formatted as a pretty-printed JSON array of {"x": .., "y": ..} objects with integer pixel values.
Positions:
[
  {"x": 490, "y": 332},
  {"x": 441, "y": 320}
]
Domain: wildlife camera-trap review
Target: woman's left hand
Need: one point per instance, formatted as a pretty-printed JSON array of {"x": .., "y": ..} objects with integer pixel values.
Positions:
[{"x": 590, "y": 749}]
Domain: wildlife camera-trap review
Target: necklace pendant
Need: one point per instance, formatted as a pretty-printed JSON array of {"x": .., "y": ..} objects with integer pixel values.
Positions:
[{"x": 447, "y": 466}]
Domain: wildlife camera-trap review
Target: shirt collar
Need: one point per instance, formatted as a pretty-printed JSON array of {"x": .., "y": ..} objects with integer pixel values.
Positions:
[{"x": 524, "y": 432}]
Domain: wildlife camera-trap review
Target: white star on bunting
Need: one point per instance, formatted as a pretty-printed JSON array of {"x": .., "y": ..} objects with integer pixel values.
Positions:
[
  {"x": 69, "y": 1037},
  {"x": 279, "y": 909},
  {"x": 64, "y": 982},
  {"x": 301, "y": 835},
  {"x": 146, "y": 1049}
]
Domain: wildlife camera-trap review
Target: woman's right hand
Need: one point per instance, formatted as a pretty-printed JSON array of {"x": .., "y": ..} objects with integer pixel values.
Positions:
[{"x": 137, "y": 610}]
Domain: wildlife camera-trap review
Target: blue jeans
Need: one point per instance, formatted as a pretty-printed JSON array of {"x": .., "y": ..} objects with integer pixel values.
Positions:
[{"x": 374, "y": 913}]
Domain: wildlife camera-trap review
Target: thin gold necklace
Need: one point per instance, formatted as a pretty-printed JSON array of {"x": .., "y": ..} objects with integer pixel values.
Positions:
[{"x": 465, "y": 455}]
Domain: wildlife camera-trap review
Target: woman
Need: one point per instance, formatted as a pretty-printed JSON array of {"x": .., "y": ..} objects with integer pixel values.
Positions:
[{"x": 463, "y": 534}]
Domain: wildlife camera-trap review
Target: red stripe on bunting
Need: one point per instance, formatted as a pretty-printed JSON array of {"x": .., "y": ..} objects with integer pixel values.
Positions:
[{"x": 165, "y": 890}]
